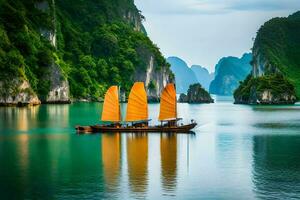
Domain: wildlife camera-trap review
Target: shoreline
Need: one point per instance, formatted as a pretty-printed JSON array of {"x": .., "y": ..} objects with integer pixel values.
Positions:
[{"x": 26, "y": 104}]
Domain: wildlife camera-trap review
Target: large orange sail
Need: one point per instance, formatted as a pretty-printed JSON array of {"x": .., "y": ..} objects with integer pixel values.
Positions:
[
  {"x": 137, "y": 107},
  {"x": 168, "y": 104},
  {"x": 111, "y": 107}
]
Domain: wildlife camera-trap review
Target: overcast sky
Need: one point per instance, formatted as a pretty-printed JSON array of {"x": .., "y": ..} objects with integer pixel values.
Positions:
[{"x": 202, "y": 31}]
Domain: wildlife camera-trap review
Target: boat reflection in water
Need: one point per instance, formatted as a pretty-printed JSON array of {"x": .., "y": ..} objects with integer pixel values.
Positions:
[
  {"x": 137, "y": 160},
  {"x": 137, "y": 151},
  {"x": 168, "y": 154},
  {"x": 111, "y": 155},
  {"x": 272, "y": 175}
]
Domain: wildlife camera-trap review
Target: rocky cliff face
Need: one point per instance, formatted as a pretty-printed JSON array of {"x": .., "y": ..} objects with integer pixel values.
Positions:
[
  {"x": 135, "y": 19},
  {"x": 155, "y": 79},
  {"x": 228, "y": 72},
  {"x": 17, "y": 92},
  {"x": 261, "y": 65},
  {"x": 77, "y": 48},
  {"x": 266, "y": 96},
  {"x": 59, "y": 85},
  {"x": 196, "y": 94},
  {"x": 275, "y": 77},
  {"x": 203, "y": 76},
  {"x": 184, "y": 76}
]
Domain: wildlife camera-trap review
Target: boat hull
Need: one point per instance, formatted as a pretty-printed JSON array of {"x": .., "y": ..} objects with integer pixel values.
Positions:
[{"x": 149, "y": 129}]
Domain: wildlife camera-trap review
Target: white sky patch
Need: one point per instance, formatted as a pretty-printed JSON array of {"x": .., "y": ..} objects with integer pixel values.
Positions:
[{"x": 203, "y": 31}]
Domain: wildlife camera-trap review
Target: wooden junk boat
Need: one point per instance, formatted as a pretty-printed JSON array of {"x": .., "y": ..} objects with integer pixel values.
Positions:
[{"x": 136, "y": 119}]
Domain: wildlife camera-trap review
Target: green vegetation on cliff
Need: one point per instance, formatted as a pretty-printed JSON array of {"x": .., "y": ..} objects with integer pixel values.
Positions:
[
  {"x": 252, "y": 89},
  {"x": 98, "y": 43},
  {"x": 23, "y": 52},
  {"x": 278, "y": 42},
  {"x": 275, "y": 77},
  {"x": 228, "y": 72},
  {"x": 196, "y": 94}
]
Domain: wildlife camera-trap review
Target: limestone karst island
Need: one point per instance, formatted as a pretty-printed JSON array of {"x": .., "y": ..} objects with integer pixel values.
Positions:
[{"x": 139, "y": 99}]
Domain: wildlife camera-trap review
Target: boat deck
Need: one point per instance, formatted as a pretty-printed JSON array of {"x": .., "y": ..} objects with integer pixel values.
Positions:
[{"x": 149, "y": 129}]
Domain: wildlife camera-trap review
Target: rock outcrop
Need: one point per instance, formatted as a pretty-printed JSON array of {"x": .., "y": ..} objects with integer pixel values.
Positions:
[
  {"x": 17, "y": 92},
  {"x": 184, "y": 76},
  {"x": 59, "y": 86},
  {"x": 196, "y": 94},
  {"x": 136, "y": 19},
  {"x": 275, "y": 77},
  {"x": 267, "y": 97},
  {"x": 267, "y": 89},
  {"x": 74, "y": 48},
  {"x": 228, "y": 72},
  {"x": 155, "y": 79},
  {"x": 203, "y": 76}
]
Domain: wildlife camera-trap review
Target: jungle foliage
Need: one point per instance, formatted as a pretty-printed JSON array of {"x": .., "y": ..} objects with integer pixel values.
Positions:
[{"x": 97, "y": 43}]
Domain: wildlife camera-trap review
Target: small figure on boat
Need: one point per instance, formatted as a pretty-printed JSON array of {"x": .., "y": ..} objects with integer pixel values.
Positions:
[{"x": 136, "y": 119}]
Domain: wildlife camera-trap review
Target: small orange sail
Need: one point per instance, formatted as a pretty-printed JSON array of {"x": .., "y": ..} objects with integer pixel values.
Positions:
[
  {"x": 137, "y": 107},
  {"x": 111, "y": 107},
  {"x": 168, "y": 104}
]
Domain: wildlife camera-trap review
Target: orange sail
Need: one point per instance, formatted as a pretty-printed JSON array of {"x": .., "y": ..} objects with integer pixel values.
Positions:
[
  {"x": 111, "y": 107},
  {"x": 137, "y": 107},
  {"x": 168, "y": 104}
]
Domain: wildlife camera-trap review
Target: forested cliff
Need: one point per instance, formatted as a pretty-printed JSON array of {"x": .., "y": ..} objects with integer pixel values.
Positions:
[
  {"x": 275, "y": 77},
  {"x": 57, "y": 50}
]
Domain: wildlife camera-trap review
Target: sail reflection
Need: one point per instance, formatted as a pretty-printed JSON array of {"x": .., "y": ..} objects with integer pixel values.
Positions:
[
  {"x": 137, "y": 159},
  {"x": 168, "y": 154},
  {"x": 276, "y": 164},
  {"x": 111, "y": 149}
]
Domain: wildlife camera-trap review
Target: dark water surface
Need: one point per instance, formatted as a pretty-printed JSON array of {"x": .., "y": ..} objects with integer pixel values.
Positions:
[{"x": 238, "y": 152}]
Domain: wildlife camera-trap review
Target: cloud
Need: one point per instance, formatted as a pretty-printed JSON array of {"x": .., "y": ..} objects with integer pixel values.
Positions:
[{"x": 195, "y": 7}]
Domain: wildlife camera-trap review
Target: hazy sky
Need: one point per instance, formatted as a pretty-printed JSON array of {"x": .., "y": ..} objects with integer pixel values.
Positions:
[{"x": 203, "y": 31}]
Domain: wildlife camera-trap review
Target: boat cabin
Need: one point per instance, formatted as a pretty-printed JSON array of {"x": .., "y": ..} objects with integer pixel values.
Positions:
[{"x": 141, "y": 123}]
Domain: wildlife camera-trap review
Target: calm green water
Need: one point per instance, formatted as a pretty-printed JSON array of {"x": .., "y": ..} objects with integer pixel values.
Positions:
[{"x": 238, "y": 152}]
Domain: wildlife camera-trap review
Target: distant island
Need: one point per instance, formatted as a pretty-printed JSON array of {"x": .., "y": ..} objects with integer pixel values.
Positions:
[
  {"x": 186, "y": 76},
  {"x": 275, "y": 77},
  {"x": 63, "y": 50},
  {"x": 228, "y": 73},
  {"x": 196, "y": 94},
  {"x": 203, "y": 76}
]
